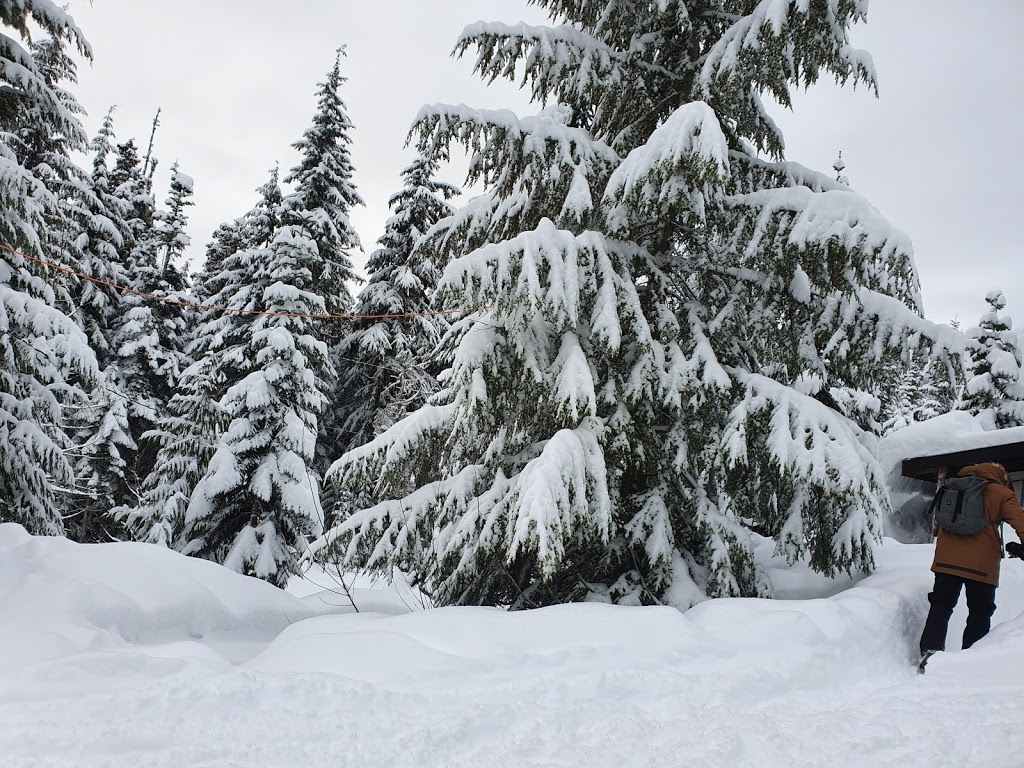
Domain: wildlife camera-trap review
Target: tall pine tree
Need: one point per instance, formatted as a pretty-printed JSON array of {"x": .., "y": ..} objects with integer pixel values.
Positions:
[
  {"x": 383, "y": 357},
  {"x": 257, "y": 504},
  {"x": 191, "y": 425},
  {"x": 323, "y": 194},
  {"x": 104, "y": 467},
  {"x": 262, "y": 222},
  {"x": 322, "y": 197},
  {"x": 385, "y": 361},
  {"x": 660, "y": 318},
  {"x": 996, "y": 385},
  {"x": 45, "y": 360}
]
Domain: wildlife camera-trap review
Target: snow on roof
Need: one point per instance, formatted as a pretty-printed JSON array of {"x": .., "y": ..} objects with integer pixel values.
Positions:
[{"x": 951, "y": 432}]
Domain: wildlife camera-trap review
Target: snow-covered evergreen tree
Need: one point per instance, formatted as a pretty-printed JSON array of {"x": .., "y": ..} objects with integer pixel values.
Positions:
[
  {"x": 383, "y": 363},
  {"x": 148, "y": 358},
  {"x": 262, "y": 222},
  {"x": 104, "y": 238},
  {"x": 194, "y": 421},
  {"x": 45, "y": 360},
  {"x": 996, "y": 384},
  {"x": 923, "y": 390},
  {"x": 323, "y": 193},
  {"x": 171, "y": 237},
  {"x": 659, "y": 318},
  {"x": 383, "y": 357},
  {"x": 158, "y": 271},
  {"x": 183, "y": 440},
  {"x": 149, "y": 336},
  {"x": 106, "y": 448},
  {"x": 322, "y": 197},
  {"x": 47, "y": 156},
  {"x": 191, "y": 425},
  {"x": 257, "y": 505},
  {"x": 936, "y": 393}
]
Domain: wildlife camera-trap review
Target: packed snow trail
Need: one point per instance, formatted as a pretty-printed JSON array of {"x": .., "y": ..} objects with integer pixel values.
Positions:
[{"x": 126, "y": 654}]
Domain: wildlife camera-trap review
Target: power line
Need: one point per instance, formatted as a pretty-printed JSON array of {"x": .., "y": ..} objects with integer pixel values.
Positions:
[{"x": 195, "y": 305}]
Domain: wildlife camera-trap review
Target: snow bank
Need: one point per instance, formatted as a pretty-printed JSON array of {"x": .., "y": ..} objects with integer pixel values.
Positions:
[
  {"x": 141, "y": 675},
  {"x": 59, "y": 599}
]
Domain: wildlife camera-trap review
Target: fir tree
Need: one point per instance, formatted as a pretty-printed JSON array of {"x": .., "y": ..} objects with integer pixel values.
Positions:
[
  {"x": 161, "y": 273},
  {"x": 189, "y": 432},
  {"x": 228, "y": 239},
  {"x": 257, "y": 505},
  {"x": 322, "y": 196},
  {"x": 171, "y": 237},
  {"x": 148, "y": 337},
  {"x": 659, "y": 318},
  {"x": 104, "y": 238},
  {"x": 996, "y": 384},
  {"x": 106, "y": 446},
  {"x": 384, "y": 361},
  {"x": 47, "y": 363},
  {"x": 148, "y": 359},
  {"x": 184, "y": 439},
  {"x": 936, "y": 393},
  {"x": 262, "y": 222},
  {"x": 384, "y": 376},
  {"x": 47, "y": 156},
  {"x": 923, "y": 389}
]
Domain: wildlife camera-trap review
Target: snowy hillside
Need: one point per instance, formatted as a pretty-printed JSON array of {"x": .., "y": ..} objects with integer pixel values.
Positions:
[{"x": 129, "y": 655}]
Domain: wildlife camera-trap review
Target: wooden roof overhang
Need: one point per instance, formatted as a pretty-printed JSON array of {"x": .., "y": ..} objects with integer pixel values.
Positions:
[{"x": 1010, "y": 455}]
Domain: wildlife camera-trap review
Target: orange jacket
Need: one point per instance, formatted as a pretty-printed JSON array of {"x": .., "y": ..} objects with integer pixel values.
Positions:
[{"x": 977, "y": 556}]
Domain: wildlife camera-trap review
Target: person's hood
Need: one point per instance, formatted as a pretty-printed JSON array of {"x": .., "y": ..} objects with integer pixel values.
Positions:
[{"x": 995, "y": 472}]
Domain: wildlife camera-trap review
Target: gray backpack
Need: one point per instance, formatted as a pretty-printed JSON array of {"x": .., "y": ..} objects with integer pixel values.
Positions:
[{"x": 959, "y": 506}]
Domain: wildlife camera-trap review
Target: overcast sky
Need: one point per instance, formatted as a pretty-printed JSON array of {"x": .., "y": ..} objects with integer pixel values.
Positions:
[{"x": 937, "y": 153}]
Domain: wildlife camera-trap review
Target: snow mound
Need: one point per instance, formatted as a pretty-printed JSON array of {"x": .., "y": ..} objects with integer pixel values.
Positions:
[
  {"x": 59, "y": 598},
  {"x": 128, "y": 654}
]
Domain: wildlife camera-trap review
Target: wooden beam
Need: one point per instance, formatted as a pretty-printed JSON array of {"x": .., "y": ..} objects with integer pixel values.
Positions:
[{"x": 1010, "y": 455}]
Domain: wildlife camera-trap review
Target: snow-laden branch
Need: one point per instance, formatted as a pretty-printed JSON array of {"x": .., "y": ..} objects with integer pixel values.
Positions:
[
  {"x": 563, "y": 59},
  {"x": 771, "y": 30},
  {"x": 676, "y": 168},
  {"x": 838, "y": 485}
]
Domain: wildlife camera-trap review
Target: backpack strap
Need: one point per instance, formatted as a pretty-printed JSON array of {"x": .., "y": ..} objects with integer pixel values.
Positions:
[{"x": 931, "y": 512}]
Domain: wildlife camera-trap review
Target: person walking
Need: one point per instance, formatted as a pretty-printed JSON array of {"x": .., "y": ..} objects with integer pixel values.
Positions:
[{"x": 971, "y": 562}]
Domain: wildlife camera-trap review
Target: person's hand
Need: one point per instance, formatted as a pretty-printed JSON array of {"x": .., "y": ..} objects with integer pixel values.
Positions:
[{"x": 1015, "y": 549}]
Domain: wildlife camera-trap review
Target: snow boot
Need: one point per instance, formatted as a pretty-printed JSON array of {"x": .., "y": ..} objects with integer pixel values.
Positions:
[{"x": 924, "y": 661}]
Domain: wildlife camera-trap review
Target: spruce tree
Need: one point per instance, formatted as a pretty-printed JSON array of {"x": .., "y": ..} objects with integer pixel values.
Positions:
[
  {"x": 105, "y": 462},
  {"x": 103, "y": 240},
  {"x": 322, "y": 196},
  {"x": 657, "y": 319},
  {"x": 148, "y": 357},
  {"x": 384, "y": 375},
  {"x": 385, "y": 361},
  {"x": 194, "y": 421},
  {"x": 183, "y": 441},
  {"x": 47, "y": 363},
  {"x": 996, "y": 385},
  {"x": 256, "y": 506},
  {"x": 171, "y": 237},
  {"x": 162, "y": 273},
  {"x": 47, "y": 156},
  {"x": 261, "y": 223},
  {"x": 937, "y": 393}
]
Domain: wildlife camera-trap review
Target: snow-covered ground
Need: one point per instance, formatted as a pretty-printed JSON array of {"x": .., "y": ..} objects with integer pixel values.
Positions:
[{"x": 127, "y": 655}]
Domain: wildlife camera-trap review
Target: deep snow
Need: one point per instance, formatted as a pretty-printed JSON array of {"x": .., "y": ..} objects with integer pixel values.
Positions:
[{"x": 131, "y": 655}]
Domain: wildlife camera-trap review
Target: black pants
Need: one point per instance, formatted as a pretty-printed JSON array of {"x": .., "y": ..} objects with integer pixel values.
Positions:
[{"x": 981, "y": 604}]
